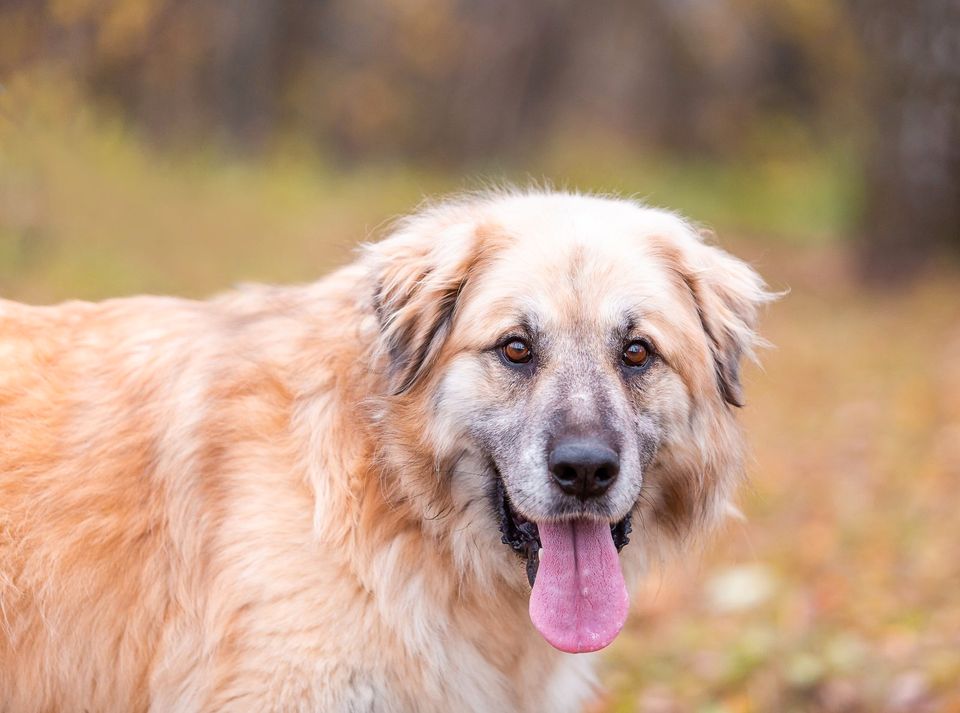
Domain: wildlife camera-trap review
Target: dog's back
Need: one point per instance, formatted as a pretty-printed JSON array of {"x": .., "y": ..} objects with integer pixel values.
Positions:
[
  {"x": 158, "y": 522},
  {"x": 86, "y": 543}
]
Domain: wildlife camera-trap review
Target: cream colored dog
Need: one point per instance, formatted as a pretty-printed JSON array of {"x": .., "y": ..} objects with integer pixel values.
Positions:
[{"x": 390, "y": 490}]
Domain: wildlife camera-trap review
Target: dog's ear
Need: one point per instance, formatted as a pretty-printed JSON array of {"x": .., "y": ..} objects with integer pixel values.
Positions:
[
  {"x": 728, "y": 294},
  {"x": 419, "y": 273}
]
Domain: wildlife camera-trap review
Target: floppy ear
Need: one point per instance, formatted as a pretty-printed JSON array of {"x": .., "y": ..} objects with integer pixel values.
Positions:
[
  {"x": 728, "y": 294},
  {"x": 419, "y": 273}
]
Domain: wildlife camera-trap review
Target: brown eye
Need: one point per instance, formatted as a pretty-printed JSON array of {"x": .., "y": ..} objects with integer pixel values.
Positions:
[
  {"x": 517, "y": 351},
  {"x": 636, "y": 354}
]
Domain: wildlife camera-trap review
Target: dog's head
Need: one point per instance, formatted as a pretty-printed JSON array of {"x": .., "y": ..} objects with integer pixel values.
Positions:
[{"x": 567, "y": 363}]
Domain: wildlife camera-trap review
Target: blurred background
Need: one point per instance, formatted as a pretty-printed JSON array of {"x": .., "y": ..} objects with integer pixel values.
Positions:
[{"x": 173, "y": 146}]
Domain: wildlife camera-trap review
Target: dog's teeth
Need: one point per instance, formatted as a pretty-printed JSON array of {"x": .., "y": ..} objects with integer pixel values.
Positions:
[{"x": 533, "y": 565}]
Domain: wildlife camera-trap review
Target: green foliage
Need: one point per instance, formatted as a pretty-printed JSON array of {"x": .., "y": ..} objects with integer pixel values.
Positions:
[
  {"x": 800, "y": 197},
  {"x": 90, "y": 210}
]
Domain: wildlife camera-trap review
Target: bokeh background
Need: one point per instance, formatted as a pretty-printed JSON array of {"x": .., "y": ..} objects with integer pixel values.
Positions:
[{"x": 174, "y": 146}]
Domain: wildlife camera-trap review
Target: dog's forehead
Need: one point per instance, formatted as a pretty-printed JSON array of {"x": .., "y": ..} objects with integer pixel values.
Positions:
[{"x": 584, "y": 261}]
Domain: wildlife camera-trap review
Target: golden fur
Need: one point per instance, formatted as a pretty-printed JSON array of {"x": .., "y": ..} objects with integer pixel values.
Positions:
[{"x": 244, "y": 504}]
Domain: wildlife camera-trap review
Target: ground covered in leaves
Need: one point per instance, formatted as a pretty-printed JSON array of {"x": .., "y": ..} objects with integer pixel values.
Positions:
[{"x": 839, "y": 591}]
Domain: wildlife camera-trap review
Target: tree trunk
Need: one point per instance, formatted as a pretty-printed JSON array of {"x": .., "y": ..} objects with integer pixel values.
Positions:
[{"x": 912, "y": 210}]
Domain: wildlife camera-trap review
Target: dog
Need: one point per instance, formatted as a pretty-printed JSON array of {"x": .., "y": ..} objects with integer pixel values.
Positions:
[{"x": 418, "y": 484}]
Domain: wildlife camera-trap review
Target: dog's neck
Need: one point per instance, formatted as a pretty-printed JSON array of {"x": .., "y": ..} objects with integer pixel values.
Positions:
[{"x": 456, "y": 618}]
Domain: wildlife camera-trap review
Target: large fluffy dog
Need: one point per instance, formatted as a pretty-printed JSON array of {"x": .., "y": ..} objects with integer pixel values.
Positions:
[{"x": 336, "y": 497}]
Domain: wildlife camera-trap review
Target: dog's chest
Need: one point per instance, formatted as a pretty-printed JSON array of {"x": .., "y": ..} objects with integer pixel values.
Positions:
[{"x": 455, "y": 675}]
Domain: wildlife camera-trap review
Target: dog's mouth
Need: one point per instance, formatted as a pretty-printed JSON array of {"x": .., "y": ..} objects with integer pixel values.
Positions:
[
  {"x": 579, "y": 600},
  {"x": 523, "y": 536}
]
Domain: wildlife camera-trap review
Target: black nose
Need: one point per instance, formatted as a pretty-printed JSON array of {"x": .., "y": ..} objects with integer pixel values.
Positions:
[{"x": 584, "y": 468}]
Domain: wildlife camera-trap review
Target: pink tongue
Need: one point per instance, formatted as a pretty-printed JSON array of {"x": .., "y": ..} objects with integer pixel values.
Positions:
[{"x": 579, "y": 601}]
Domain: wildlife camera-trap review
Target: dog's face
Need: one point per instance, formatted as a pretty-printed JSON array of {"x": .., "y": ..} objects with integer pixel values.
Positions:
[{"x": 576, "y": 359}]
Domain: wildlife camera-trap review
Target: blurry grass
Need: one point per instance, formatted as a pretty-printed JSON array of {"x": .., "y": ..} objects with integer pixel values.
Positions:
[
  {"x": 838, "y": 594},
  {"x": 798, "y": 197},
  {"x": 86, "y": 210}
]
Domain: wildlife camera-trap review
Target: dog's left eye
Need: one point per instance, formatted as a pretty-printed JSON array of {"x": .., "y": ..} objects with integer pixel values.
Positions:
[{"x": 517, "y": 351}]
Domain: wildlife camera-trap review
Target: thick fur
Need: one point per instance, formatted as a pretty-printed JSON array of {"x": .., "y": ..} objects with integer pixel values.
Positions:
[{"x": 280, "y": 499}]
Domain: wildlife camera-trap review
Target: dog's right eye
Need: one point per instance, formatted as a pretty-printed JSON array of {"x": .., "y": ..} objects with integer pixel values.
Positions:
[
  {"x": 517, "y": 351},
  {"x": 636, "y": 353}
]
